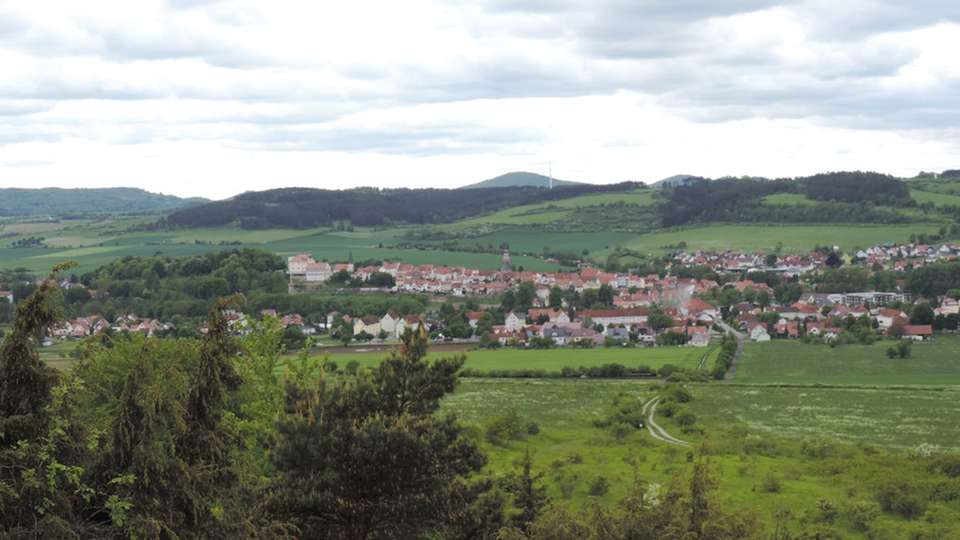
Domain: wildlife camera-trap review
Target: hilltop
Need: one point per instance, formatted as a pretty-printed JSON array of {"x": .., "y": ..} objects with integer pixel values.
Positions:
[
  {"x": 521, "y": 179},
  {"x": 57, "y": 202}
]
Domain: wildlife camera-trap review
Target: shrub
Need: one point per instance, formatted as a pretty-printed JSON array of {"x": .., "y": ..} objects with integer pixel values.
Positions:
[
  {"x": 330, "y": 366},
  {"x": 681, "y": 394},
  {"x": 533, "y": 428},
  {"x": 862, "y": 514},
  {"x": 827, "y": 511},
  {"x": 891, "y": 352},
  {"x": 904, "y": 349},
  {"x": 686, "y": 419},
  {"x": 576, "y": 458},
  {"x": 771, "y": 483},
  {"x": 901, "y": 498},
  {"x": 353, "y": 367},
  {"x": 599, "y": 487},
  {"x": 504, "y": 428},
  {"x": 668, "y": 409}
]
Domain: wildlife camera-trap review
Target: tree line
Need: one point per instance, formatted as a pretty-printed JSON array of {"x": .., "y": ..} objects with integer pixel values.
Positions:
[{"x": 303, "y": 207}]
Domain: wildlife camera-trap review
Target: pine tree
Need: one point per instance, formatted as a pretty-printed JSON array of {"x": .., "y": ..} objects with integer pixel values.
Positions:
[{"x": 367, "y": 457}]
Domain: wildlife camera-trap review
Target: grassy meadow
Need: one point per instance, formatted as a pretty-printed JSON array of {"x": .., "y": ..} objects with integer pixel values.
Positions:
[
  {"x": 553, "y": 360},
  {"x": 889, "y": 417},
  {"x": 936, "y": 362},
  {"x": 746, "y": 449}
]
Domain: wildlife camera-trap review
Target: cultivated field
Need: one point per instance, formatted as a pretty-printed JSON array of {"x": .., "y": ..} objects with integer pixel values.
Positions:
[
  {"x": 932, "y": 363},
  {"x": 794, "y": 238},
  {"x": 553, "y": 360},
  {"x": 553, "y": 210}
]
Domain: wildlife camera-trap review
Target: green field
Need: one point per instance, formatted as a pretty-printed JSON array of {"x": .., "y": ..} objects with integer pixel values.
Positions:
[
  {"x": 795, "y": 238},
  {"x": 553, "y": 360},
  {"x": 938, "y": 199},
  {"x": 896, "y": 418},
  {"x": 548, "y": 212},
  {"x": 932, "y": 363},
  {"x": 571, "y": 451},
  {"x": 792, "y": 199},
  {"x": 98, "y": 244}
]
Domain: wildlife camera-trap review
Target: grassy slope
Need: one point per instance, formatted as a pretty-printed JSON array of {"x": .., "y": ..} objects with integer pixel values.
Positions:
[
  {"x": 933, "y": 363},
  {"x": 553, "y": 210}
]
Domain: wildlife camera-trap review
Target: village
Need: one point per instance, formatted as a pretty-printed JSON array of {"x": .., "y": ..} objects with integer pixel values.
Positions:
[{"x": 645, "y": 309}]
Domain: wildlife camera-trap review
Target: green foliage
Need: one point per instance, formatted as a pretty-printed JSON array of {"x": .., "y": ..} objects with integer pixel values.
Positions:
[
  {"x": 507, "y": 427},
  {"x": 599, "y": 487},
  {"x": 367, "y": 456}
]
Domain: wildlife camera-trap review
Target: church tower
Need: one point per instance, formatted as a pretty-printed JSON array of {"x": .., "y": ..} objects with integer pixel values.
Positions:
[{"x": 505, "y": 264}]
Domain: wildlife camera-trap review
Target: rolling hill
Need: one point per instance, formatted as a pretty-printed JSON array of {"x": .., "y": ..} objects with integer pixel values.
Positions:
[
  {"x": 57, "y": 202},
  {"x": 521, "y": 179},
  {"x": 307, "y": 207}
]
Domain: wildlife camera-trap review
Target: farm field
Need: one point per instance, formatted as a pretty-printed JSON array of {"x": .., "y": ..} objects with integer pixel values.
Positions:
[
  {"x": 94, "y": 244},
  {"x": 553, "y": 360},
  {"x": 889, "y": 417},
  {"x": 938, "y": 199},
  {"x": 931, "y": 363},
  {"x": 796, "y": 199},
  {"x": 534, "y": 241},
  {"x": 552, "y": 211},
  {"x": 795, "y": 238},
  {"x": 571, "y": 451}
]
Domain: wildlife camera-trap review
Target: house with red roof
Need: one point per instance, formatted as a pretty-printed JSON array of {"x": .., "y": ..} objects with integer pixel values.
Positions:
[{"x": 918, "y": 332}]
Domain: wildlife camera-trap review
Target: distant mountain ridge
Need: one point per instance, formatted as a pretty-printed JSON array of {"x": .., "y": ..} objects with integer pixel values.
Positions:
[
  {"x": 61, "y": 202},
  {"x": 521, "y": 179}
]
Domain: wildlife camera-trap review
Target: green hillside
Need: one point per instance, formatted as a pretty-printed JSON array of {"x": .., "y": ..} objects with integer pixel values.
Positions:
[{"x": 59, "y": 202}]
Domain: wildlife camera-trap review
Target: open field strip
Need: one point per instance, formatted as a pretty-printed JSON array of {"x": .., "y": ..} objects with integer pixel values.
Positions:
[
  {"x": 794, "y": 238},
  {"x": 553, "y": 360},
  {"x": 936, "y": 362}
]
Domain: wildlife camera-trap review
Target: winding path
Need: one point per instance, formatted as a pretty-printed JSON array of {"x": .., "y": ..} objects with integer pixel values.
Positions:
[{"x": 657, "y": 432}]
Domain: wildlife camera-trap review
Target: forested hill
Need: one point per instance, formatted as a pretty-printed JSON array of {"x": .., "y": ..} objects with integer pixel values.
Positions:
[
  {"x": 306, "y": 207},
  {"x": 84, "y": 202},
  {"x": 516, "y": 179}
]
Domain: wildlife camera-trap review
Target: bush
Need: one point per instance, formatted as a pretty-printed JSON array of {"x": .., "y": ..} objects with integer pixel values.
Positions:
[
  {"x": 599, "y": 487},
  {"x": 891, "y": 352},
  {"x": 504, "y": 428},
  {"x": 668, "y": 409},
  {"x": 904, "y": 349},
  {"x": 681, "y": 394},
  {"x": 901, "y": 498},
  {"x": 827, "y": 511},
  {"x": 533, "y": 428},
  {"x": 330, "y": 366},
  {"x": 862, "y": 514},
  {"x": 353, "y": 367},
  {"x": 771, "y": 483},
  {"x": 686, "y": 419}
]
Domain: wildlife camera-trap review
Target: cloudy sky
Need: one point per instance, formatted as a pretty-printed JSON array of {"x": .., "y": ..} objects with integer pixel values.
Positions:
[{"x": 210, "y": 98}]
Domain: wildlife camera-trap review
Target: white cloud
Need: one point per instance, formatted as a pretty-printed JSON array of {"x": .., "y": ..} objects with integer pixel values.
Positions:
[{"x": 212, "y": 98}]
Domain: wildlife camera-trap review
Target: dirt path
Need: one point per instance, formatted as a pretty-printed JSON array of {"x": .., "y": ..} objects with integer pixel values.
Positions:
[
  {"x": 736, "y": 356},
  {"x": 657, "y": 432}
]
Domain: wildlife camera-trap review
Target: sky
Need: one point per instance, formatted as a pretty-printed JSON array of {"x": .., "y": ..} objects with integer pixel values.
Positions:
[{"x": 212, "y": 98}]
